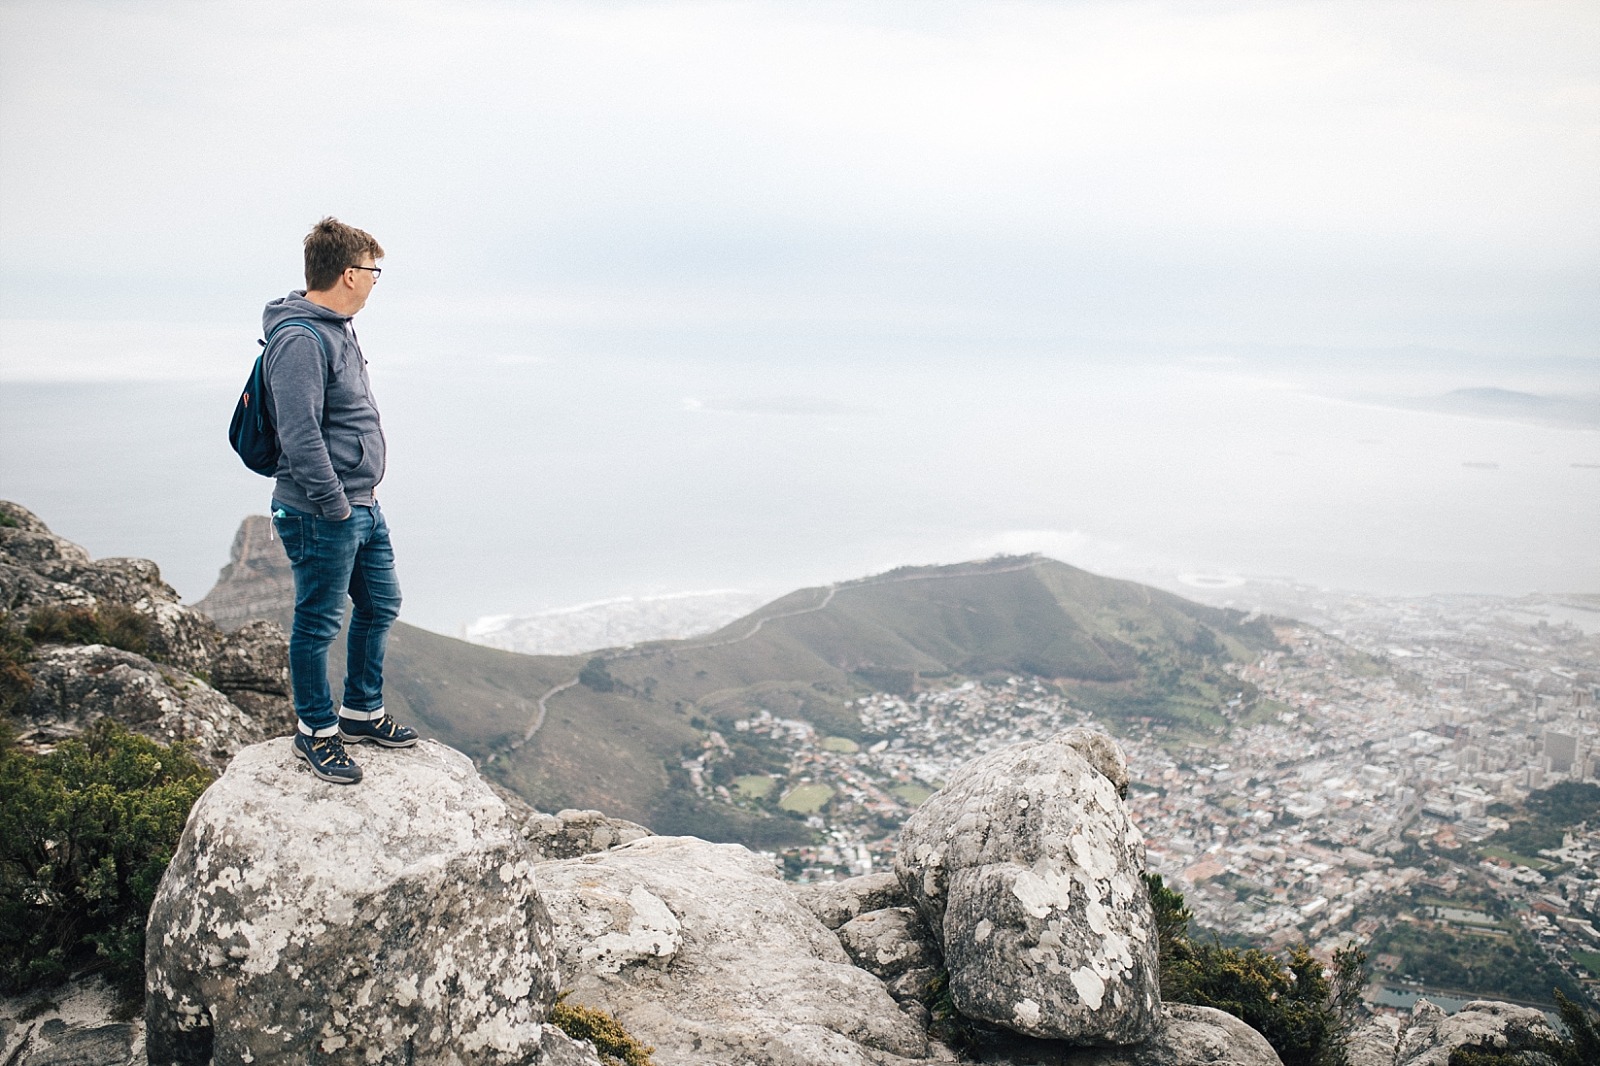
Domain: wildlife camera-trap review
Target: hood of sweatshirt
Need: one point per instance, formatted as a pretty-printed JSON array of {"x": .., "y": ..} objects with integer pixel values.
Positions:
[{"x": 295, "y": 305}]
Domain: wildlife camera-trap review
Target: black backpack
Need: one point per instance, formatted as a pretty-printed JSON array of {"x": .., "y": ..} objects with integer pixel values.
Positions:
[{"x": 251, "y": 432}]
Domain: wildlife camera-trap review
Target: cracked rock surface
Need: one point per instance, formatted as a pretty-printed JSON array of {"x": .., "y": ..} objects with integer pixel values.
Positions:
[
  {"x": 1028, "y": 871},
  {"x": 836, "y": 902},
  {"x": 700, "y": 950},
  {"x": 1428, "y": 1035},
  {"x": 396, "y": 920},
  {"x": 163, "y": 694}
]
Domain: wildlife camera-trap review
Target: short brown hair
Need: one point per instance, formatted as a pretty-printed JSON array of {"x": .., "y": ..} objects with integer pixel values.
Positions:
[{"x": 332, "y": 248}]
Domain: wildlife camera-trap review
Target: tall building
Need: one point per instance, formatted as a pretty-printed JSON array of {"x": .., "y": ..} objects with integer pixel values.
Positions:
[{"x": 1561, "y": 749}]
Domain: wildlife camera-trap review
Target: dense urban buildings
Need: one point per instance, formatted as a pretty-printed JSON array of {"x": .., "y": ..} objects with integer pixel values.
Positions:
[{"x": 1374, "y": 785}]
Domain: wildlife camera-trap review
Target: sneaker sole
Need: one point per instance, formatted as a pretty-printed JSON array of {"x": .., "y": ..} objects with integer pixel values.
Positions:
[
  {"x": 348, "y": 739},
  {"x": 315, "y": 770}
]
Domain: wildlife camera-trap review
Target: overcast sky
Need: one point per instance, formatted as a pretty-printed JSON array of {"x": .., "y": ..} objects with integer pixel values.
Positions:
[
  {"x": 1200, "y": 176},
  {"x": 691, "y": 295}
]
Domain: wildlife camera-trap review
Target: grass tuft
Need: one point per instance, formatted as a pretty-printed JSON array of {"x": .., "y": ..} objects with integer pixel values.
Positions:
[{"x": 615, "y": 1045}]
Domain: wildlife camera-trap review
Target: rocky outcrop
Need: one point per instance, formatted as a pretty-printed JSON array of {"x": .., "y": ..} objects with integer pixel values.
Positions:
[
  {"x": 257, "y": 584},
  {"x": 836, "y": 902},
  {"x": 700, "y": 950},
  {"x": 1185, "y": 1035},
  {"x": 1027, "y": 869},
  {"x": 162, "y": 691},
  {"x": 568, "y": 834},
  {"x": 252, "y": 669},
  {"x": 396, "y": 921},
  {"x": 1428, "y": 1035},
  {"x": 75, "y": 1025},
  {"x": 74, "y": 685}
]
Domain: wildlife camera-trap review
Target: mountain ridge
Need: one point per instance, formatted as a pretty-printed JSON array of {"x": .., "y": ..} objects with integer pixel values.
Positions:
[{"x": 609, "y": 729}]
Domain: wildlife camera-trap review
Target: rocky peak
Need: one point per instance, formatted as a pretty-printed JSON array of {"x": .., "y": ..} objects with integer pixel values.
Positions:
[{"x": 257, "y": 582}]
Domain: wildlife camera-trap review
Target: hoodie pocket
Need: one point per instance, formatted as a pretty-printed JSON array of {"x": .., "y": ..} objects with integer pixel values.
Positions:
[
  {"x": 345, "y": 453},
  {"x": 369, "y": 469}
]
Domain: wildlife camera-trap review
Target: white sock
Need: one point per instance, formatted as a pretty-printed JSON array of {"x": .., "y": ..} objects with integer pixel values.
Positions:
[
  {"x": 360, "y": 716},
  {"x": 326, "y": 732}
]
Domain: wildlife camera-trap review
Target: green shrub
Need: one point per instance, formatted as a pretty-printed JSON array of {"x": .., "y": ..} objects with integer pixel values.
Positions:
[
  {"x": 15, "y": 681},
  {"x": 610, "y": 1039},
  {"x": 110, "y": 623},
  {"x": 85, "y": 835},
  {"x": 1303, "y": 1013},
  {"x": 596, "y": 675}
]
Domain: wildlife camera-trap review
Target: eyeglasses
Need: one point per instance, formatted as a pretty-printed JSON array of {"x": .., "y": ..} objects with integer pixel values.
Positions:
[{"x": 377, "y": 272}]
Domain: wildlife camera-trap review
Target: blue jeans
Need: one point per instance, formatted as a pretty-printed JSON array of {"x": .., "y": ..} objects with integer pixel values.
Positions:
[{"x": 330, "y": 560}]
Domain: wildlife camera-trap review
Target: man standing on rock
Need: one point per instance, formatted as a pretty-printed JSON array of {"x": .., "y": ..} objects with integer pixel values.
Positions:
[{"x": 323, "y": 506}]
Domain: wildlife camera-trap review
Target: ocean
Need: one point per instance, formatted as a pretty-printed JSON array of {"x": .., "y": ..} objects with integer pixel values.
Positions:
[{"x": 523, "y": 484}]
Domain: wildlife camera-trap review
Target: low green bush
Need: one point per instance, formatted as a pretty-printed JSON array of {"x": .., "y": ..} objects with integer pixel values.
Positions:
[
  {"x": 1304, "y": 1012},
  {"x": 109, "y": 623},
  {"x": 15, "y": 651},
  {"x": 610, "y": 1039},
  {"x": 597, "y": 675},
  {"x": 85, "y": 835}
]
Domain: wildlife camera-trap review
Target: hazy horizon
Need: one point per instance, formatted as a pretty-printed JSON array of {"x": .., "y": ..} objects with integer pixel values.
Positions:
[
  {"x": 685, "y": 478},
  {"x": 759, "y": 295}
]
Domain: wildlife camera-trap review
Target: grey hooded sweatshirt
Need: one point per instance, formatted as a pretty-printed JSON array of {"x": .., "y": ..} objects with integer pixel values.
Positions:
[{"x": 322, "y": 406}]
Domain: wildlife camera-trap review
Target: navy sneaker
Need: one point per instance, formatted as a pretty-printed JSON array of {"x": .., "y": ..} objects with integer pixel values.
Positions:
[
  {"x": 381, "y": 730},
  {"x": 327, "y": 758}
]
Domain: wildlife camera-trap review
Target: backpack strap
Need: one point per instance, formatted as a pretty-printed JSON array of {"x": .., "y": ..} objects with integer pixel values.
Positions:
[{"x": 315, "y": 332}]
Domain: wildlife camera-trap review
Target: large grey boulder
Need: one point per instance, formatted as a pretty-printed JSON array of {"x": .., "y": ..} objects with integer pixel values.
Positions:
[
  {"x": 392, "y": 921},
  {"x": 1427, "y": 1036},
  {"x": 1028, "y": 871},
  {"x": 700, "y": 950}
]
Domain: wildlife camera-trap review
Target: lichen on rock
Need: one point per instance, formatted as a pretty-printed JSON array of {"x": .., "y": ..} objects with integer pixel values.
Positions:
[
  {"x": 700, "y": 950},
  {"x": 398, "y": 920},
  {"x": 1028, "y": 870}
]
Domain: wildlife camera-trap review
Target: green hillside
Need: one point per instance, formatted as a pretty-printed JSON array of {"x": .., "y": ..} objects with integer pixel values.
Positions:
[{"x": 616, "y": 741}]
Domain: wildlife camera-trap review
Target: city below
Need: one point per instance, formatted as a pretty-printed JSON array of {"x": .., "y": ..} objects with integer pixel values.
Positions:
[{"x": 1418, "y": 775}]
